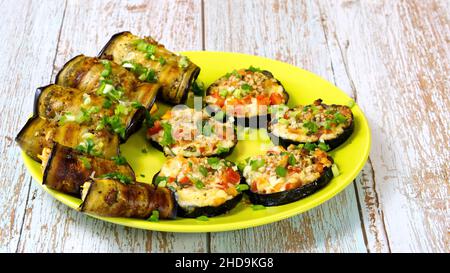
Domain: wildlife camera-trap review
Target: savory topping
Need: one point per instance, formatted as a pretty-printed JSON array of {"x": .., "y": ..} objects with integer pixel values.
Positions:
[
  {"x": 281, "y": 170},
  {"x": 187, "y": 132},
  {"x": 312, "y": 123},
  {"x": 246, "y": 92},
  {"x": 200, "y": 182},
  {"x": 125, "y": 179}
]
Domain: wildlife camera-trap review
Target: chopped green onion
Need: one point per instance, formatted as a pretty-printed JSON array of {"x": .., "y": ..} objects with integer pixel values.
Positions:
[
  {"x": 221, "y": 150},
  {"x": 119, "y": 160},
  {"x": 162, "y": 61},
  {"x": 323, "y": 146},
  {"x": 335, "y": 170},
  {"x": 183, "y": 62},
  {"x": 258, "y": 207},
  {"x": 339, "y": 118},
  {"x": 85, "y": 162},
  {"x": 118, "y": 176},
  {"x": 291, "y": 160},
  {"x": 310, "y": 146},
  {"x": 242, "y": 187},
  {"x": 241, "y": 165},
  {"x": 214, "y": 162},
  {"x": 159, "y": 180},
  {"x": 246, "y": 87},
  {"x": 154, "y": 217},
  {"x": 167, "y": 134},
  {"x": 198, "y": 184},
  {"x": 254, "y": 69},
  {"x": 281, "y": 171},
  {"x": 283, "y": 121},
  {"x": 202, "y": 218},
  {"x": 223, "y": 93},
  {"x": 311, "y": 126},
  {"x": 351, "y": 103},
  {"x": 203, "y": 170},
  {"x": 257, "y": 163}
]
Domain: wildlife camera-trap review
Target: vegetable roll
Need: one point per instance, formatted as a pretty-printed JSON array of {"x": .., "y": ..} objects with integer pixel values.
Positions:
[
  {"x": 152, "y": 62},
  {"x": 121, "y": 197},
  {"x": 66, "y": 169}
]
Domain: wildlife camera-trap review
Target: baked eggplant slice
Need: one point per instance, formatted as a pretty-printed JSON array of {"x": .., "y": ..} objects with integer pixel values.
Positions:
[
  {"x": 192, "y": 133},
  {"x": 245, "y": 95},
  {"x": 39, "y": 133},
  {"x": 120, "y": 90},
  {"x": 283, "y": 176},
  {"x": 317, "y": 123},
  {"x": 152, "y": 62},
  {"x": 113, "y": 198},
  {"x": 66, "y": 169},
  {"x": 202, "y": 185}
]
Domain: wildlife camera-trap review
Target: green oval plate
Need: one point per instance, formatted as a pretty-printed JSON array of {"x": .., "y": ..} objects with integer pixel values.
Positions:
[{"x": 303, "y": 87}]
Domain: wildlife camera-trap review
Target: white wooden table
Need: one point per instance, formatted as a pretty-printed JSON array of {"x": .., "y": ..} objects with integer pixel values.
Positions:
[{"x": 392, "y": 57}]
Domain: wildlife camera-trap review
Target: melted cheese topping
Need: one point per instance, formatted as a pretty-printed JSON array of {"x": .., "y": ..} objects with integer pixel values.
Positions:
[
  {"x": 280, "y": 170},
  {"x": 186, "y": 177},
  {"x": 245, "y": 93},
  {"x": 191, "y": 136},
  {"x": 312, "y": 123}
]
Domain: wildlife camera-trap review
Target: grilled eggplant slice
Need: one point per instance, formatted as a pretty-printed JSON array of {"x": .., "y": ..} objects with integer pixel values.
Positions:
[
  {"x": 118, "y": 87},
  {"x": 192, "y": 133},
  {"x": 283, "y": 176},
  {"x": 66, "y": 169},
  {"x": 202, "y": 185},
  {"x": 108, "y": 197},
  {"x": 246, "y": 95},
  {"x": 39, "y": 133},
  {"x": 152, "y": 62},
  {"x": 315, "y": 123}
]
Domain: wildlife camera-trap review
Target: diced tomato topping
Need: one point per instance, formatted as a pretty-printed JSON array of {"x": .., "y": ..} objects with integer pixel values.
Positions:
[
  {"x": 247, "y": 100},
  {"x": 202, "y": 149},
  {"x": 263, "y": 100},
  {"x": 276, "y": 98},
  {"x": 171, "y": 179},
  {"x": 231, "y": 176},
  {"x": 254, "y": 187},
  {"x": 184, "y": 180},
  {"x": 155, "y": 129}
]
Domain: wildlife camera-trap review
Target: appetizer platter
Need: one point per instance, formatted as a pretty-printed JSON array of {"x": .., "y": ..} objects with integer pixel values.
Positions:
[{"x": 191, "y": 142}]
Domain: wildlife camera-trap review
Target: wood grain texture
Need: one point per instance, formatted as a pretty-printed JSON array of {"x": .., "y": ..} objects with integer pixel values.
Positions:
[
  {"x": 29, "y": 34},
  {"x": 49, "y": 225},
  {"x": 289, "y": 31},
  {"x": 397, "y": 57}
]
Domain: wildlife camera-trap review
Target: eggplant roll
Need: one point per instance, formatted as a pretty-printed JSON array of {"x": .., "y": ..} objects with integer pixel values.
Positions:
[
  {"x": 112, "y": 198},
  {"x": 118, "y": 88},
  {"x": 283, "y": 176},
  {"x": 152, "y": 62},
  {"x": 202, "y": 185},
  {"x": 66, "y": 169},
  {"x": 246, "y": 95},
  {"x": 192, "y": 133},
  {"x": 39, "y": 133},
  {"x": 315, "y": 123}
]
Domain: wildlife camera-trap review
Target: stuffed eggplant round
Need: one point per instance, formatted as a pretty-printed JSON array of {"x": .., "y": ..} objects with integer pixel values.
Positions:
[
  {"x": 317, "y": 123},
  {"x": 203, "y": 186},
  {"x": 192, "y": 133},
  {"x": 152, "y": 62},
  {"x": 283, "y": 176},
  {"x": 245, "y": 95}
]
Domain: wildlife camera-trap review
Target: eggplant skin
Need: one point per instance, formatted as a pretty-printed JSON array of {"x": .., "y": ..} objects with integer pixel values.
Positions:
[
  {"x": 209, "y": 211},
  {"x": 65, "y": 170},
  {"x": 332, "y": 143},
  {"x": 111, "y": 198},
  {"x": 289, "y": 196},
  {"x": 160, "y": 148},
  {"x": 176, "y": 82}
]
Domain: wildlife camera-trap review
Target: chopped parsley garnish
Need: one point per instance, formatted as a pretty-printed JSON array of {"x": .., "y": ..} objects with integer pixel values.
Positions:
[
  {"x": 154, "y": 217},
  {"x": 148, "y": 76},
  {"x": 309, "y": 146},
  {"x": 162, "y": 61},
  {"x": 119, "y": 160},
  {"x": 198, "y": 184},
  {"x": 87, "y": 147},
  {"x": 116, "y": 125},
  {"x": 122, "y": 178},
  {"x": 281, "y": 171},
  {"x": 107, "y": 103},
  {"x": 339, "y": 118},
  {"x": 221, "y": 150}
]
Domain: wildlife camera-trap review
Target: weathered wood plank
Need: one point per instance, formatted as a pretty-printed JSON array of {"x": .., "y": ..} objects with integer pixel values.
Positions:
[
  {"x": 397, "y": 55},
  {"x": 29, "y": 35},
  {"x": 289, "y": 31},
  {"x": 51, "y": 226}
]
